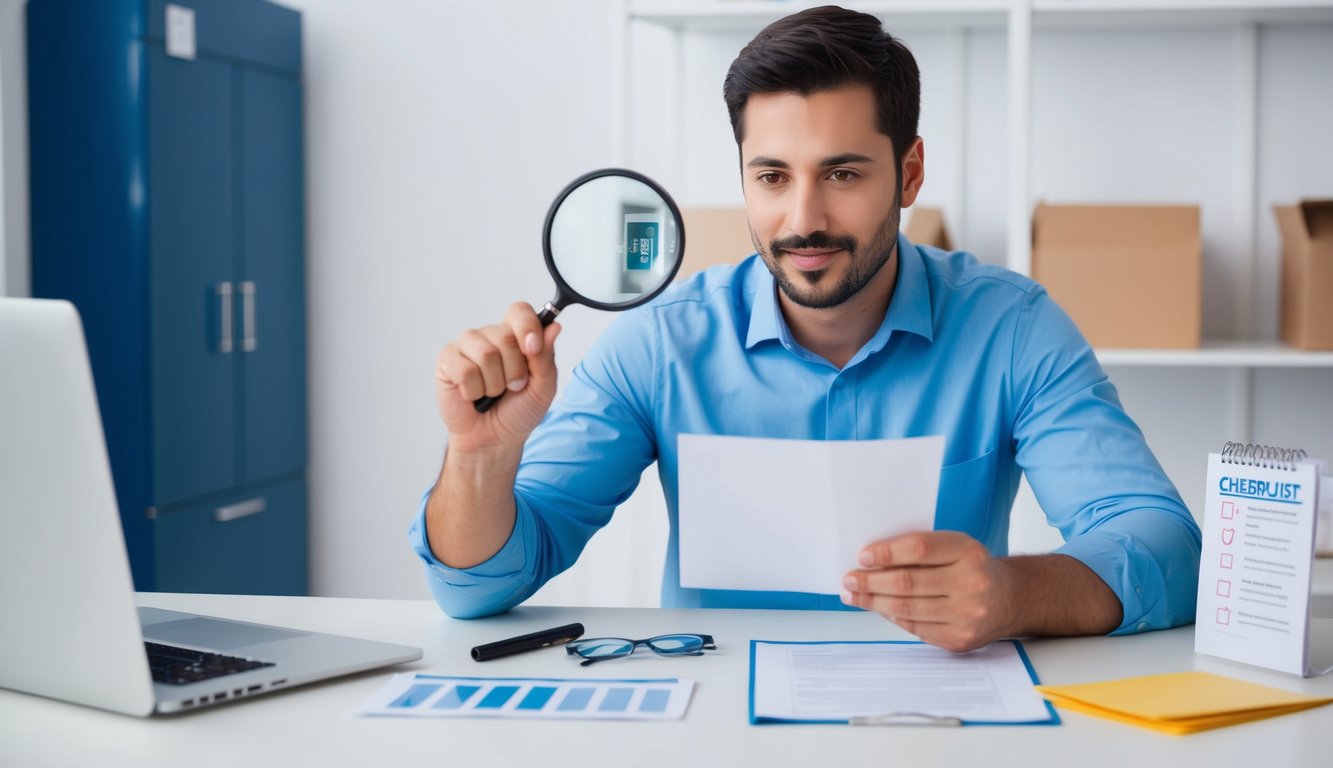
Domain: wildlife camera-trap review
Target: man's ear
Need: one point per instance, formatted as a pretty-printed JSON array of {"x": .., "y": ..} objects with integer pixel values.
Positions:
[{"x": 912, "y": 173}]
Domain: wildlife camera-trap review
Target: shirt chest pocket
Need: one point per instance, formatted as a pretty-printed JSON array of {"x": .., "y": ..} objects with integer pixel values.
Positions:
[{"x": 966, "y": 497}]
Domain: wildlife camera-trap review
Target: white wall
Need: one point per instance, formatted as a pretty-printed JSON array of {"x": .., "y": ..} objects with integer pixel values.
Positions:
[
  {"x": 436, "y": 136},
  {"x": 438, "y": 132}
]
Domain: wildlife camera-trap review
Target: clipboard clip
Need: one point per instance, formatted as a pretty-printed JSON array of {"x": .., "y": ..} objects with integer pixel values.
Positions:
[{"x": 906, "y": 718}]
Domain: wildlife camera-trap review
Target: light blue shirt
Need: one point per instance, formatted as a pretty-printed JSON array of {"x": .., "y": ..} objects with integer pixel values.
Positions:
[{"x": 972, "y": 352}]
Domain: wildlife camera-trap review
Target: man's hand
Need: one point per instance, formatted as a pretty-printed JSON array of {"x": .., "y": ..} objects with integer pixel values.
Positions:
[
  {"x": 941, "y": 586},
  {"x": 945, "y": 588},
  {"x": 515, "y": 357}
]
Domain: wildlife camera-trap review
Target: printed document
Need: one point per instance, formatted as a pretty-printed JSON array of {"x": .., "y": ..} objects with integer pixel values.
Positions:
[
  {"x": 793, "y": 515},
  {"x": 894, "y": 681}
]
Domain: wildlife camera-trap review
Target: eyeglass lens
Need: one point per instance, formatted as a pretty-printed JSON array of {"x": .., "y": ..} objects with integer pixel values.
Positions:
[{"x": 676, "y": 643}]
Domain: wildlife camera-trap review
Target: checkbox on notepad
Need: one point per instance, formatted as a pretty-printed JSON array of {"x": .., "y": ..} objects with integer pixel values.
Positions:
[
  {"x": 1228, "y": 560},
  {"x": 1223, "y": 615},
  {"x": 1223, "y": 588},
  {"x": 1228, "y": 510}
]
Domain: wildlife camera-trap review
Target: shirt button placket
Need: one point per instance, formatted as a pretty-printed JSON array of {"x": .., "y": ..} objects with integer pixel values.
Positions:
[{"x": 841, "y": 413}]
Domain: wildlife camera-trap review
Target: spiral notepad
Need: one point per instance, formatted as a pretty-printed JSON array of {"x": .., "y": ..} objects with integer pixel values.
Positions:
[{"x": 1260, "y": 525}]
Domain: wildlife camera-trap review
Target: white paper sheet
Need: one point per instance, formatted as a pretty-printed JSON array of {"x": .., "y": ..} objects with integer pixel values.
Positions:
[
  {"x": 418, "y": 695},
  {"x": 835, "y": 682},
  {"x": 793, "y": 515}
]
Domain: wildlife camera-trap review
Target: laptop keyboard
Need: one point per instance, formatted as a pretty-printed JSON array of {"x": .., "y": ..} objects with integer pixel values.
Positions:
[{"x": 178, "y": 666}]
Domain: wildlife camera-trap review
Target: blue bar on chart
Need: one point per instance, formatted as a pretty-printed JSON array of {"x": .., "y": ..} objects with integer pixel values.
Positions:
[
  {"x": 414, "y": 696},
  {"x": 537, "y": 697},
  {"x": 457, "y": 697},
  {"x": 655, "y": 700},
  {"x": 497, "y": 697},
  {"x": 616, "y": 700},
  {"x": 576, "y": 700}
]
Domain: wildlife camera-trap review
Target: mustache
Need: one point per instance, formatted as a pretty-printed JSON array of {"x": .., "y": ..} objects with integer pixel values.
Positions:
[{"x": 815, "y": 240}]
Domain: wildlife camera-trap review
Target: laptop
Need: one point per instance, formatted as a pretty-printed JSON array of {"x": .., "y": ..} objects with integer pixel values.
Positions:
[{"x": 72, "y": 627}]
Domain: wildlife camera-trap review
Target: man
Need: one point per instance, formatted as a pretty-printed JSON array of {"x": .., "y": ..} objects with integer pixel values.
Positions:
[{"x": 839, "y": 328}]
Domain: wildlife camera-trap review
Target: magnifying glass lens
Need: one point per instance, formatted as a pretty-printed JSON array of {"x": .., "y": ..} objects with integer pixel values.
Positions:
[{"x": 613, "y": 240}]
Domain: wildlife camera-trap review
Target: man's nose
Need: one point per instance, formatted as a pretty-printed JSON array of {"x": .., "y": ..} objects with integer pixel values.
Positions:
[{"x": 808, "y": 213}]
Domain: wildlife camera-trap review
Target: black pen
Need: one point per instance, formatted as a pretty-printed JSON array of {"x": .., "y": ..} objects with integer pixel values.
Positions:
[{"x": 528, "y": 642}]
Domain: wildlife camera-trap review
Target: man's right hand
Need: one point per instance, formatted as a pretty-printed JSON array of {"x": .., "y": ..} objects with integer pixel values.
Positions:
[{"x": 516, "y": 358}]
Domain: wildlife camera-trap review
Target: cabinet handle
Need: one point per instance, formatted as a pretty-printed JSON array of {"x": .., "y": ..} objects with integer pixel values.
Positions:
[
  {"x": 224, "y": 318},
  {"x": 237, "y": 511},
  {"x": 249, "y": 339}
]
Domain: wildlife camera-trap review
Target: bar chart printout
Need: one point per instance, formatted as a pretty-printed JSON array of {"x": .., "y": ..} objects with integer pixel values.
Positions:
[{"x": 418, "y": 695}]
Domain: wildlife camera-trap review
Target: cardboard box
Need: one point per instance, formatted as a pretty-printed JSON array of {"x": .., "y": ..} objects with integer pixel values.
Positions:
[
  {"x": 1129, "y": 276},
  {"x": 1307, "y": 273},
  {"x": 926, "y": 227},
  {"x": 714, "y": 236}
]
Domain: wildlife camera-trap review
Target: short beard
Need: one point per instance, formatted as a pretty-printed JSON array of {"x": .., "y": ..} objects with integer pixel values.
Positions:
[{"x": 865, "y": 263}]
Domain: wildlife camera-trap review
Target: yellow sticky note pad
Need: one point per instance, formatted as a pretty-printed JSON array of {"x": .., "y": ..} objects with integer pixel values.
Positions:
[{"x": 1182, "y": 702}]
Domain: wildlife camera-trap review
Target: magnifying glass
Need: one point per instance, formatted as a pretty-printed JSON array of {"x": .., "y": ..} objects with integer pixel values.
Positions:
[{"x": 613, "y": 240}]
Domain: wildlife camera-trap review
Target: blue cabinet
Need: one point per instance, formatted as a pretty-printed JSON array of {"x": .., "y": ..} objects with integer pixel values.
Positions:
[
  {"x": 168, "y": 205},
  {"x": 240, "y": 544}
]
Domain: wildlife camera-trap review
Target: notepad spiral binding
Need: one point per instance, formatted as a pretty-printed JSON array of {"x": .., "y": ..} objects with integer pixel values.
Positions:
[{"x": 1266, "y": 456}]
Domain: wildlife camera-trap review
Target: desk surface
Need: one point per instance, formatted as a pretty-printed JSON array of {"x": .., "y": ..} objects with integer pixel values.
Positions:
[{"x": 314, "y": 725}]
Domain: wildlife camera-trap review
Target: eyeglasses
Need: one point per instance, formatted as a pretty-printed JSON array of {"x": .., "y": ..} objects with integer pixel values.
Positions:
[{"x": 593, "y": 649}]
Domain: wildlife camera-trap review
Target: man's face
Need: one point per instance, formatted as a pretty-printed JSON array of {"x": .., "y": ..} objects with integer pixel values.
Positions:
[{"x": 821, "y": 191}]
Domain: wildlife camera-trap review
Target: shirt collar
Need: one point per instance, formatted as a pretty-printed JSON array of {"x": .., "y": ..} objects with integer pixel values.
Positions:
[
  {"x": 766, "y": 323},
  {"x": 909, "y": 310}
]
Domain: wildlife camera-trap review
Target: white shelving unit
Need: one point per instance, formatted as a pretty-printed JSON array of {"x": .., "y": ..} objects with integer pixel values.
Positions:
[
  {"x": 1006, "y": 65},
  {"x": 1022, "y": 20},
  {"x": 1221, "y": 354},
  {"x": 977, "y": 57},
  {"x": 1187, "y": 13}
]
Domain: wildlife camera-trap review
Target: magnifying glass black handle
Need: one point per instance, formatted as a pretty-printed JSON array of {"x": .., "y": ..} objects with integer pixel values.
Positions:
[{"x": 547, "y": 316}]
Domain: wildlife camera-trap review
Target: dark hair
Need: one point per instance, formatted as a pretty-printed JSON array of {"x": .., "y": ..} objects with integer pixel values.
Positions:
[{"x": 822, "y": 49}]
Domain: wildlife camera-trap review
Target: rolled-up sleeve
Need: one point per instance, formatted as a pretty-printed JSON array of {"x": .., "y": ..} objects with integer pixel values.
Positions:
[
  {"x": 1150, "y": 559},
  {"x": 1095, "y": 477},
  {"x": 496, "y": 585}
]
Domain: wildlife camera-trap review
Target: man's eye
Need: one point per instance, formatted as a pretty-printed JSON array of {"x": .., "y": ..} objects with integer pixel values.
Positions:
[
  {"x": 769, "y": 178},
  {"x": 842, "y": 174}
]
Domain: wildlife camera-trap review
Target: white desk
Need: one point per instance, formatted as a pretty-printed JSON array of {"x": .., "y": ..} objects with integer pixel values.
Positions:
[{"x": 313, "y": 725}]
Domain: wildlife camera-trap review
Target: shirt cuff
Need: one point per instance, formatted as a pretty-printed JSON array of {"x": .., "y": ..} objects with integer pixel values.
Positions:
[
  {"x": 489, "y": 587},
  {"x": 1153, "y": 594}
]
